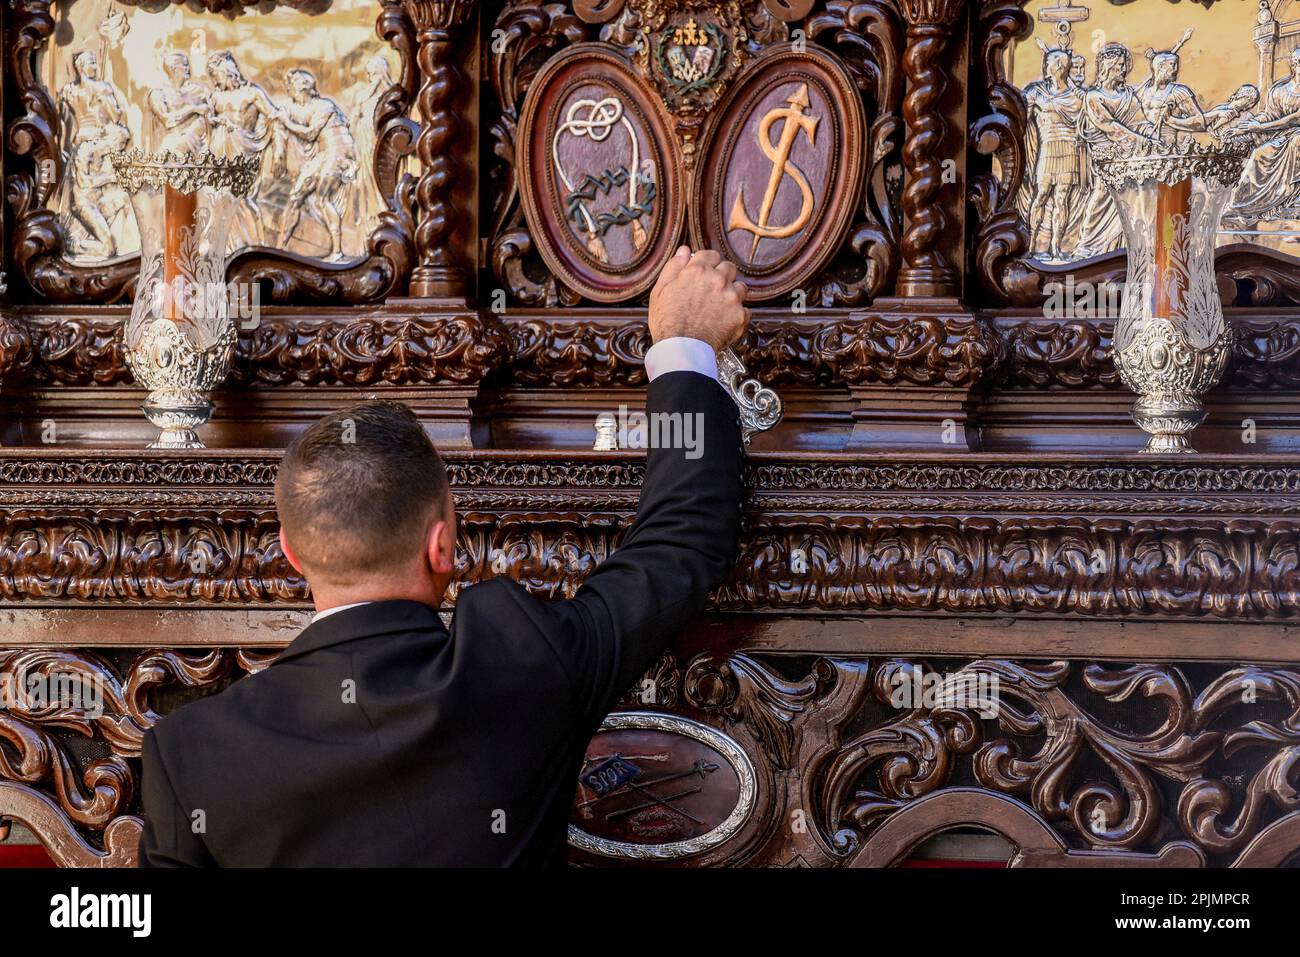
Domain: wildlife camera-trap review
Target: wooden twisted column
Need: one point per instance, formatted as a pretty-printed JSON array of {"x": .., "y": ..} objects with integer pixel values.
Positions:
[
  {"x": 441, "y": 27},
  {"x": 925, "y": 272}
]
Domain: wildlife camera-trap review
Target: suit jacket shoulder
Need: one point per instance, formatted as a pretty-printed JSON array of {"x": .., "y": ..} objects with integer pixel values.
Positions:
[{"x": 499, "y": 618}]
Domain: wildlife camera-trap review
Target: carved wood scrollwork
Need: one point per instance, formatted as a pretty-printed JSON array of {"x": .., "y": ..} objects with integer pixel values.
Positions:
[
  {"x": 84, "y": 811},
  {"x": 528, "y": 35},
  {"x": 37, "y": 242},
  {"x": 1201, "y": 781},
  {"x": 869, "y": 38},
  {"x": 1200, "y": 777},
  {"x": 1001, "y": 236}
]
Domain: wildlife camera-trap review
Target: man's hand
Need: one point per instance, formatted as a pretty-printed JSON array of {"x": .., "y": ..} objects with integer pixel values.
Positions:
[{"x": 698, "y": 295}]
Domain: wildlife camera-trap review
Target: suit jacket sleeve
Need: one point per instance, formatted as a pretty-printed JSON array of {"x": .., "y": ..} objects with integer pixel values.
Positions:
[
  {"x": 680, "y": 547},
  {"x": 169, "y": 839}
]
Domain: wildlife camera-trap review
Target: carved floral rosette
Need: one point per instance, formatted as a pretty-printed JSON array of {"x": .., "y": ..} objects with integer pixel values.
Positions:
[
  {"x": 1171, "y": 343},
  {"x": 180, "y": 338}
]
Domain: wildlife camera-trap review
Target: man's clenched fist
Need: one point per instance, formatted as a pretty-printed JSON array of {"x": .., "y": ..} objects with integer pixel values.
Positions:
[{"x": 698, "y": 295}]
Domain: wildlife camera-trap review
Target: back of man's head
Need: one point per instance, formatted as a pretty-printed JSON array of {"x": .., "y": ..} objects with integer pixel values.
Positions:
[{"x": 358, "y": 493}]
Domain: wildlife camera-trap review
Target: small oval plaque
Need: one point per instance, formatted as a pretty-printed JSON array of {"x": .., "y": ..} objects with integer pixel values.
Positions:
[
  {"x": 659, "y": 787},
  {"x": 599, "y": 182},
  {"x": 780, "y": 169}
]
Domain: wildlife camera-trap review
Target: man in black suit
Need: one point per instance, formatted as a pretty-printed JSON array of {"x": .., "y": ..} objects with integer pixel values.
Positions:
[{"x": 380, "y": 737}]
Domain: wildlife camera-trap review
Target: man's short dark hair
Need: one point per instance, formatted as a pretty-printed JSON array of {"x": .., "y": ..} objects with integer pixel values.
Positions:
[{"x": 359, "y": 490}]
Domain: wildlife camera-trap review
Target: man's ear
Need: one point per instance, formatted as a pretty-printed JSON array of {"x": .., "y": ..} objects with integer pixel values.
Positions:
[
  {"x": 288, "y": 552},
  {"x": 441, "y": 546}
]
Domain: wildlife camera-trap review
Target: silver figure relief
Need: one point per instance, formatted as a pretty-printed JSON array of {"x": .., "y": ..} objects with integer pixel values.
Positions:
[
  {"x": 1271, "y": 180},
  {"x": 1094, "y": 95},
  {"x": 181, "y": 110},
  {"x": 186, "y": 82},
  {"x": 328, "y": 164},
  {"x": 362, "y": 100},
  {"x": 243, "y": 113},
  {"x": 93, "y": 113}
]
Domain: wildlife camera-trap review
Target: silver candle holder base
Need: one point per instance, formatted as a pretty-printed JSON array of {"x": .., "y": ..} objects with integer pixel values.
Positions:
[
  {"x": 177, "y": 416},
  {"x": 1170, "y": 375}
]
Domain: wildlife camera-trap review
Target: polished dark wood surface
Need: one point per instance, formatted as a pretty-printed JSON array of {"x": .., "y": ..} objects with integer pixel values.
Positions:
[{"x": 955, "y": 489}]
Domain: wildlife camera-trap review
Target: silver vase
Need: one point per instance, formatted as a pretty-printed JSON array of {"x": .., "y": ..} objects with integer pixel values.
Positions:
[
  {"x": 180, "y": 337},
  {"x": 1171, "y": 343}
]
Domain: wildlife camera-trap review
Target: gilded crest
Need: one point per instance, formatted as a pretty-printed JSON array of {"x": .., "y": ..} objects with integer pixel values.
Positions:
[{"x": 691, "y": 49}]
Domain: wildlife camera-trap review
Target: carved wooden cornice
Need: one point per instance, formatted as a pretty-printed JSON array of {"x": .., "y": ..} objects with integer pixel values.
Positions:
[
  {"x": 577, "y": 352},
  {"x": 394, "y": 347},
  {"x": 1075, "y": 353},
  {"x": 1211, "y": 539},
  {"x": 404, "y": 346},
  {"x": 905, "y": 347},
  {"x": 17, "y": 351}
]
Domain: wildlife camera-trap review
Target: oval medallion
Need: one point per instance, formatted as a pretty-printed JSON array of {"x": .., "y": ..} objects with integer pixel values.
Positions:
[
  {"x": 780, "y": 169},
  {"x": 599, "y": 185},
  {"x": 659, "y": 787}
]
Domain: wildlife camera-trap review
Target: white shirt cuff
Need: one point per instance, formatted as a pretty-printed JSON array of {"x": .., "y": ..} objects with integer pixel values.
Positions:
[{"x": 681, "y": 354}]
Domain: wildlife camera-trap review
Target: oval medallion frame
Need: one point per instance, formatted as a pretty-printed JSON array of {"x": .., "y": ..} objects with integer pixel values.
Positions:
[
  {"x": 572, "y": 262},
  {"x": 836, "y": 103},
  {"x": 732, "y": 752}
]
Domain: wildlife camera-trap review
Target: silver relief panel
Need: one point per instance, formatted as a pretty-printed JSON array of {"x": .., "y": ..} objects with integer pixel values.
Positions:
[
  {"x": 1099, "y": 77},
  {"x": 295, "y": 90}
]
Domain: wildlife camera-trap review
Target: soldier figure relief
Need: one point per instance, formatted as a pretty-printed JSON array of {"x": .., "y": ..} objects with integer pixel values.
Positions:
[
  {"x": 1081, "y": 107},
  {"x": 1055, "y": 103}
]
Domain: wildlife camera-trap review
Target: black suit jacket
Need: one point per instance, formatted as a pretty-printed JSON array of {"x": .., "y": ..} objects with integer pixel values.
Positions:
[{"x": 380, "y": 737}]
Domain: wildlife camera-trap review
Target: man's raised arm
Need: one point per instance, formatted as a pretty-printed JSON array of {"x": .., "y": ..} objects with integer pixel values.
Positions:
[{"x": 685, "y": 536}]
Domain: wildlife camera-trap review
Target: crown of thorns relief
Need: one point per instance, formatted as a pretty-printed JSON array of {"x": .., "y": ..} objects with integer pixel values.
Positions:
[{"x": 185, "y": 173}]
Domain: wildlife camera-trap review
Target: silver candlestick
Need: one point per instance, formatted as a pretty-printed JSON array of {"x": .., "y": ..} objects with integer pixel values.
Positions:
[
  {"x": 1171, "y": 343},
  {"x": 180, "y": 337}
]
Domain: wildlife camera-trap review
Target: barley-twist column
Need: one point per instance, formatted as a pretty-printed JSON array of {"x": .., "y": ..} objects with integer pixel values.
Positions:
[
  {"x": 440, "y": 26},
  {"x": 925, "y": 271}
]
